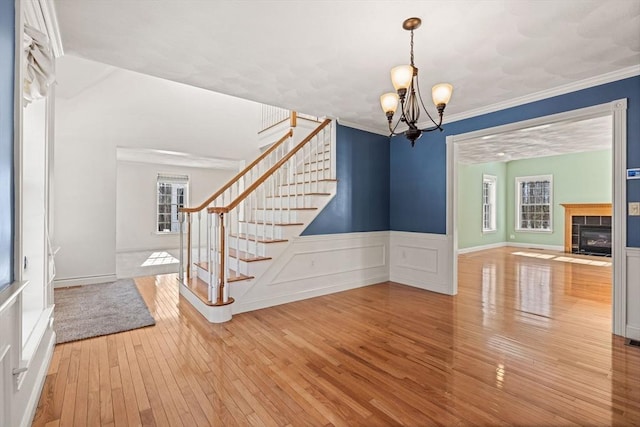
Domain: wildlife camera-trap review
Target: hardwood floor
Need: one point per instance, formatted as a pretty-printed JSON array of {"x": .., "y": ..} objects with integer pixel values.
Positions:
[{"x": 525, "y": 342}]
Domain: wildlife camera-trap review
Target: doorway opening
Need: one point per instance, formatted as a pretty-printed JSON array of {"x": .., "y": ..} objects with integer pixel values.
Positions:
[{"x": 613, "y": 112}]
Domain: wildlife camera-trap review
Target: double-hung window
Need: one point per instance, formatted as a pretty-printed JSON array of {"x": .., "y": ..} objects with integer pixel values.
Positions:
[
  {"x": 489, "y": 183},
  {"x": 534, "y": 202},
  {"x": 172, "y": 193}
]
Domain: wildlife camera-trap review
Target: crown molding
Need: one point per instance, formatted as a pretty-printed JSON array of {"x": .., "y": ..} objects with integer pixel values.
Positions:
[
  {"x": 361, "y": 127},
  {"x": 41, "y": 14},
  {"x": 549, "y": 93}
]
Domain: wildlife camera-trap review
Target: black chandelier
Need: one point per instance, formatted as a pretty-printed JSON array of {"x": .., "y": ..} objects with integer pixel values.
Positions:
[{"x": 405, "y": 81}]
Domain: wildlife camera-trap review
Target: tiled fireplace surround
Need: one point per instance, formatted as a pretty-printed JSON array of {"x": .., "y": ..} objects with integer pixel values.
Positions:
[{"x": 577, "y": 214}]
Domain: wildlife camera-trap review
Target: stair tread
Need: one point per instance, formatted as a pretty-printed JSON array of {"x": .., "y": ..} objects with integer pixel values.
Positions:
[
  {"x": 246, "y": 257},
  {"x": 282, "y": 224},
  {"x": 200, "y": 289},
  {"x": 320, "y": 180},
  {"x": 313, "y": 170},
  {"x": 233, "y": 276},
  {"x": 285, "y": 209},
  {"x": 300, "y": 194},
  {"x": 260, "y": 240}
]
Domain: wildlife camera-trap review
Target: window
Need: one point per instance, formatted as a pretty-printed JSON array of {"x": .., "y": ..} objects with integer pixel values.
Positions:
[
  {"x": 172, "y": 193},
  {"x": 489, "y": 203},
  {"x": 534, "y": 203}
]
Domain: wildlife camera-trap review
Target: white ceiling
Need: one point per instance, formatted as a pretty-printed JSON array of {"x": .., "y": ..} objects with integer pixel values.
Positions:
[
  {"x": 540, "y": 141},
  {"x": 333, "y": 57}
]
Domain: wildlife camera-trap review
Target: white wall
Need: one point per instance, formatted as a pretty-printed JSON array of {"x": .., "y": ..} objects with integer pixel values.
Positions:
[
  {"x": 136, "y": 202},
  {"x": 99, "y": 108}
]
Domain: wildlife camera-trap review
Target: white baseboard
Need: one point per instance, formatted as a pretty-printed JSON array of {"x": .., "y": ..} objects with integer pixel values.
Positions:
[
  {"x": 421, "y": 260},
  {"x": 557, "y": 248},
  {"x": 317, "y": 265},
  {"x": 481, "y": 248},
  {"x": 87, "y": 280}
]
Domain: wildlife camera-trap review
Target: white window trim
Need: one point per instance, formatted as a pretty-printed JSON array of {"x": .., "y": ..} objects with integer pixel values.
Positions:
[
  {"x": 520, "y": 179},
  {"x": 170, "y": 178},
  {"x": 493, "y": 203}
]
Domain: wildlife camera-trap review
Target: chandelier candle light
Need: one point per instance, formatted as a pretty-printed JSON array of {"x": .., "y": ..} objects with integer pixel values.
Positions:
[{"x": 405, "y": 81}]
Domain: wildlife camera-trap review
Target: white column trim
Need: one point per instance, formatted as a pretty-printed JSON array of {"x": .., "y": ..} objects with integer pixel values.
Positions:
[{"x": 619, "y": 147}]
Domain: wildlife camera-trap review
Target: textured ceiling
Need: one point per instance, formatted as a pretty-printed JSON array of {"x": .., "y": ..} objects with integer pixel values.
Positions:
[
  {"x": 540, "y": 141},
  {"x": 333, "y": 57}
]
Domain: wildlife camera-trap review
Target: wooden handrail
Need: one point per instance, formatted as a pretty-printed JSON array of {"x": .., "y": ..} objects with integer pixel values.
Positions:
[
  {"x": 271, "y": 171},
  {"x": 239, "y": 175}
]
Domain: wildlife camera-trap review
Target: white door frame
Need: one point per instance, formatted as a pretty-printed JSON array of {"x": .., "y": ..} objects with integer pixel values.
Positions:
[{"x": 618, "y": 112}]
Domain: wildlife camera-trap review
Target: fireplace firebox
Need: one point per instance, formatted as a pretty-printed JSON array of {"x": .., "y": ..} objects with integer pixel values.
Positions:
[{"x": 595, "y": 239}]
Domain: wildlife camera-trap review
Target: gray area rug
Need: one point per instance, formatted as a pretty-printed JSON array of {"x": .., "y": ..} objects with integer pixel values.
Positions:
[{"x": 94, "y": 310}]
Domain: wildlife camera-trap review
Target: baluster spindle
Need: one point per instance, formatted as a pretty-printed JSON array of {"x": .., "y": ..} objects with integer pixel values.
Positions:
[
  {"x": 199, "y": 236},
  {"x": 209, "y": 260},
  {"x": 181, "y": 226}
]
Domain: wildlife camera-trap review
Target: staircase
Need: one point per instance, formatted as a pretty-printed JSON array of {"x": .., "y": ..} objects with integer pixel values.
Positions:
[{"x": 251, "y": 220}]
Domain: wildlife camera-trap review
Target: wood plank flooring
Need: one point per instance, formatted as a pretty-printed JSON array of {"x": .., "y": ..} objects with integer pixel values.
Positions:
[{"x": 525, "y": 342}]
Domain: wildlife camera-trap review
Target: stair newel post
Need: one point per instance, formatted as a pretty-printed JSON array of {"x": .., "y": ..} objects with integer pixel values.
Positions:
[
  {"x": 215, "y": 260},
  {"x": 188, "y": 245},
  {"x": 221, "y": 273},
  {"x": 318, "y": 155},
  {"x": 181, "y": 227},
  {"x": 199, "y": 235},
  {"x": 209, "y": 260},
  {"x": 225, "y": 282}
]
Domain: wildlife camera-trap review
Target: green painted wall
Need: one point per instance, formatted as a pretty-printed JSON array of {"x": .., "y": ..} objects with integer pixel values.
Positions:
[
  {"x": 470, "y": 204},
  {"x": 577, "y": 178}
]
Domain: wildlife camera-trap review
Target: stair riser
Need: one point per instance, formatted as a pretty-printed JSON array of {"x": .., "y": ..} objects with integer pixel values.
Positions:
[
  {"x": 310, "y": 187},
  {"x": 262, "y": 249},
  {"x": 284, "y": 216},
  {"x": 269, "y": 231},
  {"x": 291, "y": 202},
  {"x": 243, "y": 267},
  {"x": 312, "y": 176}
]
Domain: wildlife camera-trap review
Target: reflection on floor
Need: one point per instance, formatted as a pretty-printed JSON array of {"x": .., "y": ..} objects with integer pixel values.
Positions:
[
  {"x": 525, "y": 342},
  {"x": 577, "y": 259},
  {"x": 146, "y": 263}
]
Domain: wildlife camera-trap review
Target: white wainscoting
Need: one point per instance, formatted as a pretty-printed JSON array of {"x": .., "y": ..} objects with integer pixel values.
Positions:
[
  {"x": 422, "y": 260},
  {"x": 317, "y": 265},
  {"x": 22, "y": 379},
  {"x": 633, "y": 293}
]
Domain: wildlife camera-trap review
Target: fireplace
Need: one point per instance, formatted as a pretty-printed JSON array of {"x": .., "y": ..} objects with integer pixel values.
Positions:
[
  {"x": 595, "y": 239},
  {"x": 580, "y": 215}
]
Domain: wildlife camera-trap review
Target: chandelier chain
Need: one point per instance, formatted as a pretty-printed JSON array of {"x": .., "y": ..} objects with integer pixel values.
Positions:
[{"x": 412, "y": 48}]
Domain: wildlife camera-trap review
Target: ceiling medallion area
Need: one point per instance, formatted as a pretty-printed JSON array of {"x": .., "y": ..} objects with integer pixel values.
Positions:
[{"x": 408, "y": 97}]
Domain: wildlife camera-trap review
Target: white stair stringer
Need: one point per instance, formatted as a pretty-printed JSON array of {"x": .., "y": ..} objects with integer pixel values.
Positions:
[{"x": 255, "y": 269}]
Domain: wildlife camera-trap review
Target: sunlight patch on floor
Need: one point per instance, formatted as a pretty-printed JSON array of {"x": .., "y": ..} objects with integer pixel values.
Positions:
[
  {"x": 564, "y": 259},
  {"x": 534, "y": 255},
  {"x": 159, "y": 258}
]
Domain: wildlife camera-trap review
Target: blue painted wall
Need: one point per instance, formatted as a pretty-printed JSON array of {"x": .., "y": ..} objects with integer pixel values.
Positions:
[
  {"x": 362, "y": 201},
  {"x": 7, "y": 46},
  {"x": 418, "y": 175}
]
